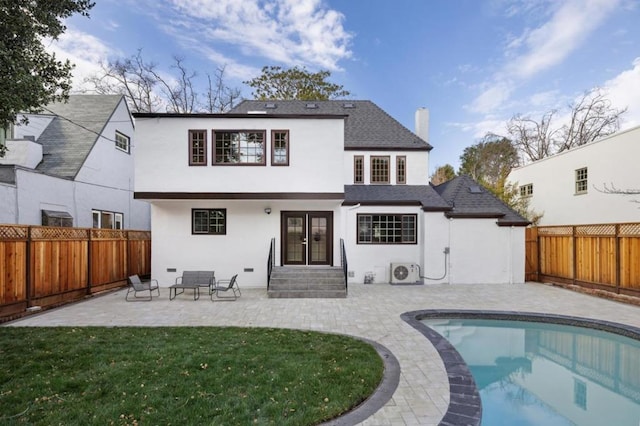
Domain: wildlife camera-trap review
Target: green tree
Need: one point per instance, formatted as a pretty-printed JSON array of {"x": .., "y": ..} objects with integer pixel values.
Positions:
[
  {"x": 276, "y": 83},
  {"x": 443, "y": 174},
  {"x": 31, "y": 77},
  {"x": 490, "y": 161}
]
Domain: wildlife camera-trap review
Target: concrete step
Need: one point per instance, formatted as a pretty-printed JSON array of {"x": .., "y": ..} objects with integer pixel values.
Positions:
[
  {"x": 307, "y": 294},
  {"x": 312, "y": 282}
]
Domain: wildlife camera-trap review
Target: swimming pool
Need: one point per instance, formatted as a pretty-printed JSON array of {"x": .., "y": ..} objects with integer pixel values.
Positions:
[{"x": 532, "y": 369}]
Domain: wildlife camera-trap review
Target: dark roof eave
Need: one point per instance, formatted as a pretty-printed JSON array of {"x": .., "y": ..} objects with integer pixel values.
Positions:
[
  {"x": 233, "y": 115},
  {"x": 436, "y": 209},
  {"x": 469, "y": 215},
  {"x": 382, "y": 203},
  {"x": 513, "y": 223},
  {"x": 238, "y": 195},
  {"x": 387, "y": 148}
]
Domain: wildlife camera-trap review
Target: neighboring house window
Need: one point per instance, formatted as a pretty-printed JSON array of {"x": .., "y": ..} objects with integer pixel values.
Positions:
[
  {"x": 209, "y": 221},
  {"x": 387, "y": 229},
  {"x": 581, "y": 181},
  {"x": 239, "y": 147},
  {"x": 197, "y": 147},
  {"x": 526, "y": 190},
  {"x": 401, "y": 169},
  {"x": 107, "y": 220},
  {"x": 580, "y": 393},
  {"x": 380, "y": 169},
  {"x": 280, "y": 148},
  {"x": 122, "y": 142},
  {"x": 358, "y": 169},
  {"x": 56, "y": 218}
]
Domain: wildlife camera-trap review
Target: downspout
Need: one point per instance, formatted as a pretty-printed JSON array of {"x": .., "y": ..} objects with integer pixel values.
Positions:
[{"x": 510, "y": 256}]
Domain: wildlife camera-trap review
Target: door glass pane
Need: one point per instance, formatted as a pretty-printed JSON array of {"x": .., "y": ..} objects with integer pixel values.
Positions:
[
  {"x": 318, "y": 239},
  {"x": 295, "y": 238}
]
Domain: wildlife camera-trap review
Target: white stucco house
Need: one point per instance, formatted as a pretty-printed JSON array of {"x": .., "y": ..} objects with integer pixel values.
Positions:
[
  {"x": 72, "y": 165},
  {"x": 568, "y": 188},
  {"x": 296, "y": 179}
]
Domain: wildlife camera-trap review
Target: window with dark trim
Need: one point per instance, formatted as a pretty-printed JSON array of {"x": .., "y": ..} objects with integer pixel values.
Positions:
[
  {"x": 581, "y": 181},
  {"x": 209, "y": 221},
  {"x": 122, "y": 142},
  {"x": 358, "y": 169},
  {"x": 197, "y": 147},
  {"x": 387, "y": 228},
  {"x": 239, "y": 147},
  {"x": 380, "y": 169},
  {"x": 401, "y": 169},
  {"x": 279, "y": 147}
]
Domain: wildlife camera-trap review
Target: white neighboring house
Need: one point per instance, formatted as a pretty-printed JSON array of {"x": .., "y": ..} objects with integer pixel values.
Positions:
[
  {"x": 72, "y": 165},
  {"x": 568, "y": 187},
  {"x": 308, "y": 175}
]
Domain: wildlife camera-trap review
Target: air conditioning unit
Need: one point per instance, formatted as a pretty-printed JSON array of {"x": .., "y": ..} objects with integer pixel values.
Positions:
[{"x": 404, "y": 273}]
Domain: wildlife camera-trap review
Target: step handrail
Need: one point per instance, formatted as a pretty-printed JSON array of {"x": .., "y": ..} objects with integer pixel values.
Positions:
[
  {"x": 271, "y": 260},
  {"x": 343, "y": 262}
]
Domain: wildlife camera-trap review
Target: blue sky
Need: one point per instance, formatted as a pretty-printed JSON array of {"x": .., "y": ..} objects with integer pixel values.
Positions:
[{"x": 472, "y": 63}]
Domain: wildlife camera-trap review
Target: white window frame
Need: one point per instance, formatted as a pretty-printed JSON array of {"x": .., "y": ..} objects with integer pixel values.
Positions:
[
  {"x": 117, "y": 219},
  {"x": 526, "y": 190},
  {"x": 582, "y": 180},
  {"x": 123, "y": 142}
]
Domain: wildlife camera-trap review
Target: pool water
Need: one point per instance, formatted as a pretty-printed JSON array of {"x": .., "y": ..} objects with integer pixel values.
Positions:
[{"x": 530, "y": 373}]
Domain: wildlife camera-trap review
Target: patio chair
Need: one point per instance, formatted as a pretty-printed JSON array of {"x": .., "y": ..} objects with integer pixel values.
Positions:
[
  {"x": 136, "y": 285},
  {"x": 226, "y": 289}
]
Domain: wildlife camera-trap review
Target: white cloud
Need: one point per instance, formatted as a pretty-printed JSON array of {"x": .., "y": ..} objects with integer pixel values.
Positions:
[
  {"x": 302, "y": 32},
  {"x": 84, "y": 50},
  {"x": 624, "y": 92},
  {"x": 549, "y": 44},
  {"x": 492, "y": 98},
  {"x": 538, "y": 49}
]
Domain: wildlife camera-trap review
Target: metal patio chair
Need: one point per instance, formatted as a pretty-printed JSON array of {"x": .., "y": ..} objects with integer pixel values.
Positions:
[
  {"x": 136, "y": 285},
  {"x": 226, "y": 289}
]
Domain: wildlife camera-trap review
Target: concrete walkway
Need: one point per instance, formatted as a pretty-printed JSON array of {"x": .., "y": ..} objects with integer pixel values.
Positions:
[{"x": 370, "y": 311}]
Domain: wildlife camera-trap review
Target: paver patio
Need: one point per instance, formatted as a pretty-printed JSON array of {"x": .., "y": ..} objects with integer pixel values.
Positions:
[{"x": 371, "y": 311}]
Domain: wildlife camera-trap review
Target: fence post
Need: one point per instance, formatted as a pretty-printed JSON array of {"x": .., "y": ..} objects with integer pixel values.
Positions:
[
  {"x": 27, "y": 275},
  {"x": 575, "y": 254},
  {"x": 89, "y": 263},
  {"x": 617, "y": 249}
]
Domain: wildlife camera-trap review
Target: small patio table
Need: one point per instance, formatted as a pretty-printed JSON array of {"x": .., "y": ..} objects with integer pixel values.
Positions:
[{"x": 173, "y": 290}]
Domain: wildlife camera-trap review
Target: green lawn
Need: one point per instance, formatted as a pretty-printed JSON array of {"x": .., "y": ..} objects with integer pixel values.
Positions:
[{"x": 181, "y": 375}]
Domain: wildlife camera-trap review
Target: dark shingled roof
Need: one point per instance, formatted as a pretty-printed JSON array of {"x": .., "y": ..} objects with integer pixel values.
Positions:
[
  {"x": 468, "y": 199},
  {"x": 423, "y": 195},
  {"x": 65, "y": 145},
  {"x": 367, "y": 126}
]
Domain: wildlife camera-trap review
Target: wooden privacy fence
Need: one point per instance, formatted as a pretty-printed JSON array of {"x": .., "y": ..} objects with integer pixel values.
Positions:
[
  {"x": 41, "y": 266},
  {"x": 605, "y": 257}
]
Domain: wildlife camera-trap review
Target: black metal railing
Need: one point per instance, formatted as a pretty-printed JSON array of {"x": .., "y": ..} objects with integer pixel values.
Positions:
[
  {"x": 271, "y": 260},
  {"x": 345, "y": 266}
]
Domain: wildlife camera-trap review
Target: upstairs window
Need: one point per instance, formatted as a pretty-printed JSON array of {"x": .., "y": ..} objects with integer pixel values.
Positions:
[
  {"x": 209, "y": 221},
  {"x": 581, "y": 181},
  {"x": 197, "y": 147},
  {"x": 122, "y": 142},
  {"x": 380, "y": 169},
  {"x": 358, "y": 169},
  {"x": 401, "y": 169},
  {"x": 526, "y": 190},
  {"x": 107, "y": 220},
  {"x": 280, "y": 148},
  {"x": 239, "y": 147},
  {"x": 387, "y": 229}
]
